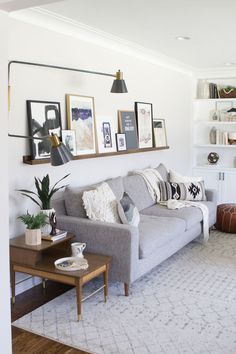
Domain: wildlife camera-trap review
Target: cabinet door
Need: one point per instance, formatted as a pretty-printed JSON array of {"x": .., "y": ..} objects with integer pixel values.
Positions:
[
  {"x": 212, "y": 180},
  {"x": 229, "y": 187}
]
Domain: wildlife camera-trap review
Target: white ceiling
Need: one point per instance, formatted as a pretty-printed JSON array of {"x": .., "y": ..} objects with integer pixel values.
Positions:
[
  {"x": 15, "y": 5},
  {"x": 154, "y": 24}
]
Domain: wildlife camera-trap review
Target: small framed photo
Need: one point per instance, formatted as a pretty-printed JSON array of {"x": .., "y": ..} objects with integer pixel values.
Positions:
[
  {"x": 121, "y": 142},
  {"x": 68, "y": 139},
  {"x": 106, "y": 129},
  {"x": 159, "y": 129},
  {"x": 44, "y": 118},
  {"x": 81, "y": 118},
  {"x": 144, "y": 118}
]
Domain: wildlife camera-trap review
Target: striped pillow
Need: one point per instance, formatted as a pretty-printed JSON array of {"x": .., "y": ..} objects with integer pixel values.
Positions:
[{"x": 182, "y": 191}]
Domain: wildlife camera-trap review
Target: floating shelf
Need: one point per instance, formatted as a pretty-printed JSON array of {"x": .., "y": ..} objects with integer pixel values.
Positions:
[
  {"x": 214, "y": 99},
  {"x": 29, "y": 161},
  {"x": 215, "y": 146},
  {"x": 213, "y": 122},
  {"x": 216, "y": 167}
]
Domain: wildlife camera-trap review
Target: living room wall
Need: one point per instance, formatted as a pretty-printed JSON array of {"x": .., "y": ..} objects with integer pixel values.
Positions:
[
  {"x": 167, "y": 87},
  {"x": 5, "y": 327}
]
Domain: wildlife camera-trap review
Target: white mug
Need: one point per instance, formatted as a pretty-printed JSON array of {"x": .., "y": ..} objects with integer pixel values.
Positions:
[{"x": 77, "y": 249}]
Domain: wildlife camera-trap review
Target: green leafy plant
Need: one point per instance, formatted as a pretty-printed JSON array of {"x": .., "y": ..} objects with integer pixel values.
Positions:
[
  {"x": 32, "y": 221},
  {"x": 44, "y": 193}
]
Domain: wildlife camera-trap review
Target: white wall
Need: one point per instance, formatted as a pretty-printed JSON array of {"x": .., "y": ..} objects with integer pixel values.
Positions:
[
  {"x": 169, "y": 91},
  {"x": 5, "y": 329}
]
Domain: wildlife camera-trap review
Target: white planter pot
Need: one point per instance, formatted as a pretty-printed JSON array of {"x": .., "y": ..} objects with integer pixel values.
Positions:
[
  {"x": 46, "y": 229},
  {"x": 33, "y": 237}
]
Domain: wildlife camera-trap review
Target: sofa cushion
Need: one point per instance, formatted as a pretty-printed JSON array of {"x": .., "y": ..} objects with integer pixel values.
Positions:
[
  {"x": 73, "y": 196},
  {"x": 191, "y": 215},
  {"x": 155, "y": 232},
  {"x": 136, "y": 188}
]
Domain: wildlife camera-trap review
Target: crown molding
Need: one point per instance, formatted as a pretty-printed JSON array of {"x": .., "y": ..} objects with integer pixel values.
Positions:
[{"x": 57, "y": 23}]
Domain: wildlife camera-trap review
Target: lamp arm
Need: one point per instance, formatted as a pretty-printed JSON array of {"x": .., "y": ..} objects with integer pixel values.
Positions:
[
  {"x": 28, "y": 137},
  {"x": 54, "y": 67}
]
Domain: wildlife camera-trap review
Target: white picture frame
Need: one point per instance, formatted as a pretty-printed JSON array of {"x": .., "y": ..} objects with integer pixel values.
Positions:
[
  {"x": 69, "y": 140},
  {"x": 159, "y": 132}
]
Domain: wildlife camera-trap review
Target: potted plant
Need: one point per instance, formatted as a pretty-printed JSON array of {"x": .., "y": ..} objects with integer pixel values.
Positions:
[
  {"x": 44, "y": 195},
  {"x": 33, "y": 227}
]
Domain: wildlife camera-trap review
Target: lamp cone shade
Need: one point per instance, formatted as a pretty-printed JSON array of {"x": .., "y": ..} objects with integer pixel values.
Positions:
[
  {"x": 60, "y": 155},
  {"x": 119, "y": 85}
]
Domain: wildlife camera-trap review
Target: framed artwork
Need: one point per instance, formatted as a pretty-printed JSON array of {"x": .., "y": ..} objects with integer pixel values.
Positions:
[
  {"x": 106, "y": 129},
  {"x": 68, "y": 138},
  {"x": 159, "y": 129},
  {"x": 81, "y": 119},
  {"x": 44, "y": 118},
  {"x": 128, "y": 126},
  {"x": 121, "y": 142},
  {"x": 144, "y": 119}
]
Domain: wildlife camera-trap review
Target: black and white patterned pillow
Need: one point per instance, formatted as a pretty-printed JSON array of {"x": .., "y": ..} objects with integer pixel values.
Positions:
[
  {"x": 127, "y": 211},
  {"x": 182, "y": 191}
]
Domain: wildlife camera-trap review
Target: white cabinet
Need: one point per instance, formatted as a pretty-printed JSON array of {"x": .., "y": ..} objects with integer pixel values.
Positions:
[{"x": 223, "y": 180}]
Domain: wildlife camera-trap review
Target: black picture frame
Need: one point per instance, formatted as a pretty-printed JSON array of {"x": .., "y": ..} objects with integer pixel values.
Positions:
[
  {"x": 121, "y": 142},
  {"x": 144, "y": 117},
  {"x": 44, "y": 118}
]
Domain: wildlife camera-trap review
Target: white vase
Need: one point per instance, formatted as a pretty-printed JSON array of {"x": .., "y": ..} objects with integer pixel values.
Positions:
[
  {"x": 46, "y": 229},
  {"x": 33, "y": 237},
  {"x": 203, "y": 89}
]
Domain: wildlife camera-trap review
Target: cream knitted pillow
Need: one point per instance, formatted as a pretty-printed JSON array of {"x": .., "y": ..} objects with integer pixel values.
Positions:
[{"x": 100, "y": 204}]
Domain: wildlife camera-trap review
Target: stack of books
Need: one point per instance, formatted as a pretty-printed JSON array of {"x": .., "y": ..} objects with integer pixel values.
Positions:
[
  {"x": 59, "y": 235},
  {"x": 221, "y": 137},
  {"x": 213, "y": 90}
]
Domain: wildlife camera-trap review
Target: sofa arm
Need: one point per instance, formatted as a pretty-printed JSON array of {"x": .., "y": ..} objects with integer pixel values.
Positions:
[
  {"x": 211, "y": 195},
  {"x": 119, "y": 241}
]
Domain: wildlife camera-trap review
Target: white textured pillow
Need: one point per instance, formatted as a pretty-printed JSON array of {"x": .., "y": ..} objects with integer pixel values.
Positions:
[
  {"x": 100, "y": 204},
  {"x": 178, "y": 178}
]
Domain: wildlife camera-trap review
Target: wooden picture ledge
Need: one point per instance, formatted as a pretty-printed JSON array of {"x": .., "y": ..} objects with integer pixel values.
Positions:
[{"x": 29, "y": 161}]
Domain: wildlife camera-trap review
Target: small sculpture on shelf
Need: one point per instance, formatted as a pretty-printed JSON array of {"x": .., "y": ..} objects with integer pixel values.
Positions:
[
  {"x": 213, "y": 158},
  {"x": 53, "y": 223}
]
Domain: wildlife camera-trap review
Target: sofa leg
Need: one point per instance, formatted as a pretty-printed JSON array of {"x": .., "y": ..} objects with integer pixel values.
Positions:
[{"x": 126, "y": 286}]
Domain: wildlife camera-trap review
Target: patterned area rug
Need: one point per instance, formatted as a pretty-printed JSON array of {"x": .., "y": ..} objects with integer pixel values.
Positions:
[{"x": 185, "y": 305}]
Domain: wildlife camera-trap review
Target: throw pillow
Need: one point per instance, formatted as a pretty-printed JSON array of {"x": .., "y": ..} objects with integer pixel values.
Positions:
[
  {"x": 101, "y": 204},
  {"x": 128, "y": 212},
  {"x": 163, "y": 172},
  {"x": 182, "y": 191},
  {"x": 178, "y": 178}
]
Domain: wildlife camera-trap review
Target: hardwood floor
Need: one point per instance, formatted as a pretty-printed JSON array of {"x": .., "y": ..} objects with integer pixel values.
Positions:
[{"x": 24, "y": 342}]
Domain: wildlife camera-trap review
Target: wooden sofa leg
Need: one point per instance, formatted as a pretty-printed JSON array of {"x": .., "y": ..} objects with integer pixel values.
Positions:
[{"x": 126, "y": 286}]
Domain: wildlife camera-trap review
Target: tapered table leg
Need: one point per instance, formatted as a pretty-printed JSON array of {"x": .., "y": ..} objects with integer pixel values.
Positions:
[
  {"x": 13, "y": 284},
  {"x": 79, "y": 297},
  {"x": 105, "y": 279}
]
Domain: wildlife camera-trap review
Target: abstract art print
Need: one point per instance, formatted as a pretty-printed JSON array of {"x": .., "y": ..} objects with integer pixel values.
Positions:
[
  {"x": 81, "y": 119},
  {"x": 144, "y": 121},
  {"x": 44, "y": 119}
]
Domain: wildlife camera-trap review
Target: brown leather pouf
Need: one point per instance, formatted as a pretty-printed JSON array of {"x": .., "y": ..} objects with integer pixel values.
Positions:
[{"x": 226, "y": 218}]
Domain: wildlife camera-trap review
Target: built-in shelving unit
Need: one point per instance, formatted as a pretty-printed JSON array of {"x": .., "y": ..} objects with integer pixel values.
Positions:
[
  {"x": 221, "y": 176},
  {"x": 29, "y": 161}
]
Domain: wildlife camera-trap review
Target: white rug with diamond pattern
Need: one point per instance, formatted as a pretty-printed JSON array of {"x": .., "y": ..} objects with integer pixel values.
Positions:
[{"x": 185, "y": 305}]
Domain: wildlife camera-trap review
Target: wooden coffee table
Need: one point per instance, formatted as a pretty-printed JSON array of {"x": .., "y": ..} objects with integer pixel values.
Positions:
[{"x": 39, "y": 261}]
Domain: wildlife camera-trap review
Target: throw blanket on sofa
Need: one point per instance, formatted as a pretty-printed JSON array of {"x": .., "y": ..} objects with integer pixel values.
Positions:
[
  {"x": 152, "y": 178},
  {"x": 177, "y": 204}
]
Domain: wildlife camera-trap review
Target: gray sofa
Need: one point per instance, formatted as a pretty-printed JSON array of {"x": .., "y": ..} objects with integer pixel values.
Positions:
[{"x": 134, "y": 251}]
